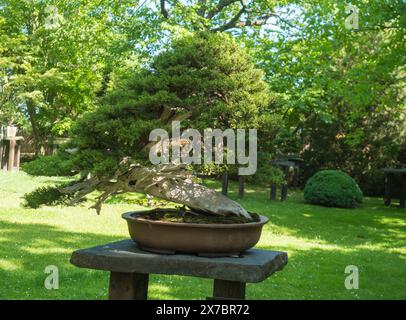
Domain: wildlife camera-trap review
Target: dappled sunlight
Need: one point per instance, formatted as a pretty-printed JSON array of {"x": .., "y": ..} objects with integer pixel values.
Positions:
[
  {"x": 45, "y": 250},
  {"x": 10, "y": 264},
  {"x": 160, "y": 291},
  {"x": 287, "y": 243},
  {"x": 173, "y": 287},
  {"x": 392, "y": 221}
]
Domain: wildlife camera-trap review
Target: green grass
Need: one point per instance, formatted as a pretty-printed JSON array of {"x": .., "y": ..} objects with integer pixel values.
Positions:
[{"x": 320, "y": 242}]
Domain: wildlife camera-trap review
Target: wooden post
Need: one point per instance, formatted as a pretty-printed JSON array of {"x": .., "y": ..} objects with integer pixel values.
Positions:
[
  {"x": 18, "y": 155},
  {"x": 402, "y": 195},
  {"x": 284, "y": 187},
  {"x": 224, "y": 186},
  {"x": 284, "y": 192},
  {"x": 11, "y": 154},
  {"x": 240, "y": 187},
  {"x": 1, "y": 153},
  {"x": 228, "y": 289},
  {"x": 128, "y": 286},
  {"x": 387, "y": 197},
  {"x": 296, "y": 177},
  {"x": 5, "y": 157},
  {"x": 273, "y": 191}
]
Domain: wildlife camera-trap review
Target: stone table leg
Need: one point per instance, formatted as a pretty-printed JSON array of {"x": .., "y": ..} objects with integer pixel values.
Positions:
[
  {"x": 402, "y": 190},
  {"x": 387, "y": 189},
  {"x": 128, "y": 286},
  {"x": 223, "y": 289}
]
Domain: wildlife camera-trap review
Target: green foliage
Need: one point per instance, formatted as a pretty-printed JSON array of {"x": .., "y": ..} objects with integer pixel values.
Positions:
[
  {"x": 54, "y": 165},
  {"x": 57, "y": 55},
  {"x": 57, "y": 72},
  {"x": 49, "y": 195},
  {"x": 267, "y": 174},
  {"x": 205, "y": 78},
  {"x": 343, "y": 91},
  {"x": 337, "y": 95},
  {"x": 372, "y": 183},
  {"x": 333, "y": 188}
]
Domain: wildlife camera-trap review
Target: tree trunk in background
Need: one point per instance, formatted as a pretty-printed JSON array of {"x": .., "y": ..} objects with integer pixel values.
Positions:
[{"x": 36, "y": 133}]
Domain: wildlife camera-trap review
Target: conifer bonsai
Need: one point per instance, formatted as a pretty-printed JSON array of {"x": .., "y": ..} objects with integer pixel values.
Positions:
[{"x": 205, "y": 80}]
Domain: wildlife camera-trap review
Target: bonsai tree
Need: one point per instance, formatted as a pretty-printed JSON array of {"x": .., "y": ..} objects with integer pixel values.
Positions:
[{"x": 204, "y": 80}]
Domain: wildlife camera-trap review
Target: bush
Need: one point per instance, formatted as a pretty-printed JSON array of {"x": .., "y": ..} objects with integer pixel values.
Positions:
[
  {"x": 333, "y": 188},
  {"x": 50, "y": 166}
]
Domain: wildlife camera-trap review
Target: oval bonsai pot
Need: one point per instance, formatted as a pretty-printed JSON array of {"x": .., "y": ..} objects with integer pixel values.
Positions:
[{"x": 209, "y": 239}]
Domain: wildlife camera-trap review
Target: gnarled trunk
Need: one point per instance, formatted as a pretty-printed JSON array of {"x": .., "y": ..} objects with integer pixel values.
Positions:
[{"x": 169, "y": 182}]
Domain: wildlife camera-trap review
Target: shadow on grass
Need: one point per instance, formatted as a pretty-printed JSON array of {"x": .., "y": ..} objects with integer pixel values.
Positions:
[{"x": 25, "y": 251}]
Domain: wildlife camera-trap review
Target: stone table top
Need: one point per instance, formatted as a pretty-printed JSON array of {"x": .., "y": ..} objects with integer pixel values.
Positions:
[{"x": 255, "y": 265}]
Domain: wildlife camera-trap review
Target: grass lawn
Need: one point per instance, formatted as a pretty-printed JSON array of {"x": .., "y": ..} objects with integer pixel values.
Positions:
[{"x": 320, "y": 242}]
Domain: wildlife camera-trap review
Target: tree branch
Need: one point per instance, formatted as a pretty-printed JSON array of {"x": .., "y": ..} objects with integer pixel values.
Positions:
[
  {"x": 258, "y": 22},
  {"x": 202, "y": 8},
  {"x": 232, "y": 23},
  {"x": 220, "y": 6},
  {"x": 164, "y": 12}
]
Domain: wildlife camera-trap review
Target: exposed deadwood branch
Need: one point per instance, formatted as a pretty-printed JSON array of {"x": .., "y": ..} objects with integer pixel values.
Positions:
[{"x": 169, "y": 182}]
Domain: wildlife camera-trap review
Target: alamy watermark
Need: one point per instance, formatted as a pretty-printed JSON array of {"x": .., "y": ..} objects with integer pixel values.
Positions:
[
  {"x": 52, "y": 280},
  {"x": 352, "y": 20},
  {"x": 352, "y": 280},
  {"x": 187, "y": 147},
  {"x": 53, "y": 18}
]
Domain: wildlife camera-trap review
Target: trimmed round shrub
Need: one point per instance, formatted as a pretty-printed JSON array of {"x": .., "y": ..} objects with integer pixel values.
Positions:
[
  {"x": 333, "y": 188},
  {"x": 49, "y": 166}
]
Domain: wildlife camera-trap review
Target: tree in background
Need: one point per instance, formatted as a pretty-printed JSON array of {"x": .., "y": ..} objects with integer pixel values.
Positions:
[
  {"x": 57, "y": 56},
  {"x": 337, "y": 94},
  {"x": 343, "y": 89}
]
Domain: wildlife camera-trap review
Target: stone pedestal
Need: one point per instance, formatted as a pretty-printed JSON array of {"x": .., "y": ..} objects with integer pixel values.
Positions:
[{"x": 129, "y": 268}]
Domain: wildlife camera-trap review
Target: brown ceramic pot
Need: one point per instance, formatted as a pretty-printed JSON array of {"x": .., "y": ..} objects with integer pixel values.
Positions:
[{"x": 204, "y": 239}]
